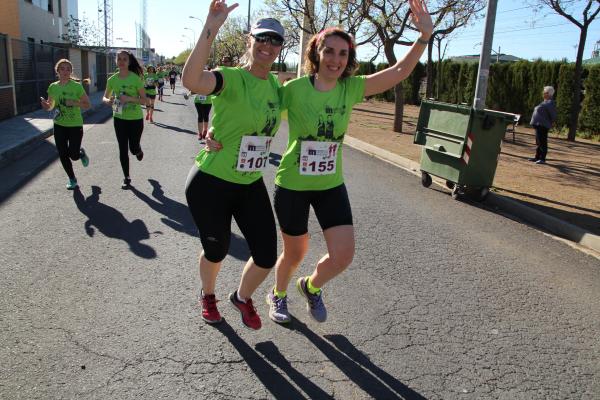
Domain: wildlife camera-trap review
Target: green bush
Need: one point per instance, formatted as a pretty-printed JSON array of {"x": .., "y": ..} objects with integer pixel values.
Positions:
[
  {"x": 564, "y": 94},
  {"x": 589, "y": 118}
]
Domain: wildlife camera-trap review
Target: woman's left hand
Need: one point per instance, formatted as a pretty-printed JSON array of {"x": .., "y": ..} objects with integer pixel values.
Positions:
[
  {"x": 211, "y": 143},
  {"x": 421, "y": 18}
]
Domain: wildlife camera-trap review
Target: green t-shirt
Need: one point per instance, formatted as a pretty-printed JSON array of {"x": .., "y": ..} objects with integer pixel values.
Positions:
[
  {"x": 247, "y": 106},
  {"x": 315, "y": 116},
  {"x": 201, "y": 99},
  {"x": 160, "y": 76},
  {"x": 149, "y": 81},
  {"x": 129, "y": 86},
  {"x": 66, "y": 116}
]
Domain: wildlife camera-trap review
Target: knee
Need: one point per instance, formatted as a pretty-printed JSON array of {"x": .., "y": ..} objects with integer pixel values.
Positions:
[
  {"x": 295, "y": 253},
  {"x": 342, "y": 257}
]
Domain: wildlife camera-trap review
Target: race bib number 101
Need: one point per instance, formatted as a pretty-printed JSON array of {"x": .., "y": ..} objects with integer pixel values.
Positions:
[
  {"x": 318, "y": 158},
  {"x": 254, "y": 153}
]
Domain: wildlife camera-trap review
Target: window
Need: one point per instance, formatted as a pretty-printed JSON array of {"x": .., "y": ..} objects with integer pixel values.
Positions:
[
  {"x": 3, "y": 61},
  {"x": 59, "y": 8},
  {"x": 43, "y": 4}
]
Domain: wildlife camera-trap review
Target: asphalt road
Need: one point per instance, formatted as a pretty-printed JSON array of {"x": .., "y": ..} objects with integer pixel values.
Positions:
[{"x": 444, "y": 300}]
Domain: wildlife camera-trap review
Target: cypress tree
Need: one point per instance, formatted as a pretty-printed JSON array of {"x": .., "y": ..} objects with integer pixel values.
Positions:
[
  {"x": 589, "y": 119},
  {"x": 564, "y": 94}
]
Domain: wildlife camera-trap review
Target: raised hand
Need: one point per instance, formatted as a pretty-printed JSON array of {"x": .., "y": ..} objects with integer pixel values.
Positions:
[
  {"x": 218, "y": 11},
  {"x": 421, "y": 18}
]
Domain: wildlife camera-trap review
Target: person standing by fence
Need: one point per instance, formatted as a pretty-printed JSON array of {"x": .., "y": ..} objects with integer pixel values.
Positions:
[
  {"x": 125, "y": 93},
  {"x": 544, "y": 115},
  {"x": 66, "y": 98}
]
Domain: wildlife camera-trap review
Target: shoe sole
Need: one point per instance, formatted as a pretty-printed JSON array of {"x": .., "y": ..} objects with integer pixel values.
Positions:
[
  {"x": 212, "y": 322},
  {"x": 287, "y": 321},
  {"x": 232, "y": 302}
]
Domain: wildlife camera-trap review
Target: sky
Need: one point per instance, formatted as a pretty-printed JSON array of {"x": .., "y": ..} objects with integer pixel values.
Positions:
[{"x": 519, "y": 30}]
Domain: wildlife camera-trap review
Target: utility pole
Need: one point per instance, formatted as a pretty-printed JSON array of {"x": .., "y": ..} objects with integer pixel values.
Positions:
[
  {"x": 249, "y": 2},
  {"x": 484, "y": 59},
  {"x": 309, "y": 7}
]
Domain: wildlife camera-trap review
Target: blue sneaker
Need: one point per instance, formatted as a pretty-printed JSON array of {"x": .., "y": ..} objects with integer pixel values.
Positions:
[
  {"x": 278, "y": 311},
  {"x": 85, "y": 160},
  {"x": 72, "y": 185},
  {"x": 314, "y": 302}
]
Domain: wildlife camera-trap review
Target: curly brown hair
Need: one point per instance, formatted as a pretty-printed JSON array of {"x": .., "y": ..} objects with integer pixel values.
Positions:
[{"x": 317, "y": 42}]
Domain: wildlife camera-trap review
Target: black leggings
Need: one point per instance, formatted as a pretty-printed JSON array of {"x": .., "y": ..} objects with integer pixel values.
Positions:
[
  {"x": 129, "y": 134},
  {"x": 213, "y": 201},
  {"x": 203, "y": 111},
  {"x": 68, "y": 144}
]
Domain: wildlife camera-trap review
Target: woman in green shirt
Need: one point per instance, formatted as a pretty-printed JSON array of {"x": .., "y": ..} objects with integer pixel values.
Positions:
[
  {"x": 245, "y": 117},
  {"x": 66, "y": 97},
  {"x": 150, "y": 82},
  {"x": 310, "y": 173},
  {"x": 125, "y": 93}
]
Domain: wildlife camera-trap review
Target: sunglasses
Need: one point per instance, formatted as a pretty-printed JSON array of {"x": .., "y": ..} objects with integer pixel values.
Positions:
[{"x": 274, "y": 40}]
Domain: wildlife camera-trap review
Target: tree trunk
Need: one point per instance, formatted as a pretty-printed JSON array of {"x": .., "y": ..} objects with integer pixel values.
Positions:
[
  {"x": 429, "y": 90},
  {"x": 576, "y": 101},
  {"x": 399, "y": 108}
]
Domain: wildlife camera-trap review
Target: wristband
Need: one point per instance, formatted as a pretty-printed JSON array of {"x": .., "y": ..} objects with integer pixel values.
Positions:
[{"x": 425, "y": 42}]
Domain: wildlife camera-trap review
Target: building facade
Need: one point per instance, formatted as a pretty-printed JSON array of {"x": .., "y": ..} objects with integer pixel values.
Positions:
[{"x": 36, "y": 21}]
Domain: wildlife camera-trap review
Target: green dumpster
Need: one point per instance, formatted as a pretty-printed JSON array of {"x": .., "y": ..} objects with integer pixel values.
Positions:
[{"x": 461, "y": 145}]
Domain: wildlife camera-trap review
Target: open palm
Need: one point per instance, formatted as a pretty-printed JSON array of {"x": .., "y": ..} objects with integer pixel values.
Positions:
[{"x": 420, "y": 16}]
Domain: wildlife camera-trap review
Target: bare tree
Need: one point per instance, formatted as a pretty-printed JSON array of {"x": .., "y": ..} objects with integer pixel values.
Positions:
[
  {"x": 450, "y": 15},
  {"x": 230, "y": 41},
  {"x": 565, "y": 8},
  {"x": 80, "y": 32}
]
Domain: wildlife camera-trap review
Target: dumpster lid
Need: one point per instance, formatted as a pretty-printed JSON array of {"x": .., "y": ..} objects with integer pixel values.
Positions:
[{"x": 500, "y": 114}]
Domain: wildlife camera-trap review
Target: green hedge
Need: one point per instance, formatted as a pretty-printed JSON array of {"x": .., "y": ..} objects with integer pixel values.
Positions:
[{"x": 512, "y": 87}]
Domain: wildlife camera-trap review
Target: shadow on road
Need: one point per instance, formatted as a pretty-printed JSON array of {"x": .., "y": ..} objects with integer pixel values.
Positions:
[
  {"x": 377, "y": 383},
  {"x": 111, "y": 223},
  {"x": 178, "y": 218},
  {"x": 174, "y": 128},
  {"x": 272, "y": 353},
  {"x": 273, "y": 381}
]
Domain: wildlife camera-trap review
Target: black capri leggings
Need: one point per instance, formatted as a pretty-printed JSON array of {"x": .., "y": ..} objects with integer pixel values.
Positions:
[
  {"x": 203, "y": 111},
  {"x": 213, "y": 201},
  {"x": 68, "y": 144},
  {"x": 129, "y": 134}
]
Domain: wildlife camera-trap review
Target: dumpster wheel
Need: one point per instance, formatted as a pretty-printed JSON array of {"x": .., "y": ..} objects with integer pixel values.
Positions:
[
  {"x": 425, "y": 179},
  {"x": 457, "y": 191},
  {"x": 450, "y": 185},
  {"x": 483, "y": 193}
]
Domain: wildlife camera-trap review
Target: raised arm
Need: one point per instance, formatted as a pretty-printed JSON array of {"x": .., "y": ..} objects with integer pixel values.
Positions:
[
  {"x": 389, "y": 77},
  {"x": 194, "y": 77}
]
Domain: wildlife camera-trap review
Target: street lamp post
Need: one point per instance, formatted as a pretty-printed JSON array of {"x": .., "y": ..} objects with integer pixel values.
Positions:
[{"x": 193, "y": 32}]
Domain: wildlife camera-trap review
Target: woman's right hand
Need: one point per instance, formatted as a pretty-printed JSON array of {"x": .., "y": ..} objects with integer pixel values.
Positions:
[
  {"x": 211, "y": 143},
  {"x": 46, "y": 104}
]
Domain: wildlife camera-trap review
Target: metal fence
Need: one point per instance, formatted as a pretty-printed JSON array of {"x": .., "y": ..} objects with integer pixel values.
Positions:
[
  {"x": 33, "y": 66},
  {"x": 7, "y": 108}
]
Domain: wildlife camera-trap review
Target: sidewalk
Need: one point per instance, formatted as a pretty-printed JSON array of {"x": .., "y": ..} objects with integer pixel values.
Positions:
[
  {"x": 19, "y": 134},
  {"x": 560, "y": 198}
]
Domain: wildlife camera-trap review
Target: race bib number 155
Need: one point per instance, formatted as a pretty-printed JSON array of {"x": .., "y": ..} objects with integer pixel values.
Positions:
[{"x": 318, "y": 158}]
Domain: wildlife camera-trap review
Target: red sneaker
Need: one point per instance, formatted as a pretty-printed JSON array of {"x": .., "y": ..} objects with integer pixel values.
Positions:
[
  {"x": 249, "y": 315},
  {"x": 210, "y": 314}
]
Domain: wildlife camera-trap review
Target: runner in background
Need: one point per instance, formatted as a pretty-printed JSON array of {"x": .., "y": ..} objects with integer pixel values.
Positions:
[
  {"x": 172, "y": 78},
  {"x": 246, "y": 116},
  {"x": 125, "y": 93},
  {"x": 203, "y": 105},
  {"x": 67, "y": 97},
  {"x": 150, "y": 83},
  {"x": 161, "y": 74},
  {"x": 310, "y": 173}
]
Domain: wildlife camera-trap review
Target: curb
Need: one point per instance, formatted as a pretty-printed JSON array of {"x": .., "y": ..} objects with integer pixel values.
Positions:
[{"x": 535, "y": 217}]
